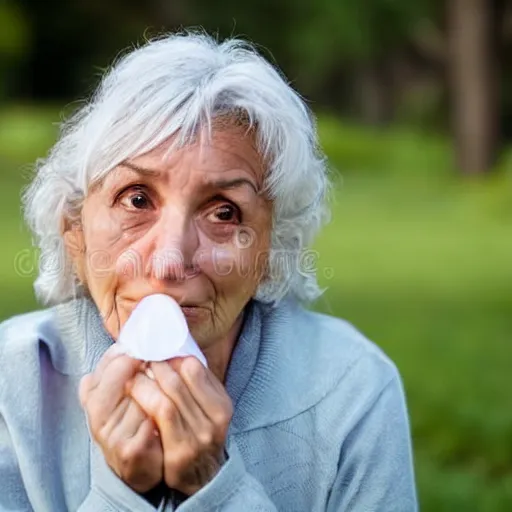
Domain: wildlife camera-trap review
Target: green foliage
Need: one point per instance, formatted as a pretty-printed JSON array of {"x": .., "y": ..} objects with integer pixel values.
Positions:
[
  {"x": 353, "y": 29},
  {"x": 15, "y": 39},
  {"x": 330, "y": 34},
  {"x": 417, "y": 260},
  {"x": 14, "y": 30},
  {"x": 310, "y": 40}
]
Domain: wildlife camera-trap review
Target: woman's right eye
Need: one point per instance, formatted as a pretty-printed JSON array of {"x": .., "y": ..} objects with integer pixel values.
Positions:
[{"x": 135, "y": 199}]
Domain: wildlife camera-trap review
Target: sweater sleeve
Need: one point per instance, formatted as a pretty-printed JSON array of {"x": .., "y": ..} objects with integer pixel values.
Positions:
[
  {"x": 232, "y": 490},
  {"x": 109, "y": 493},
  {"x": 12, "y": 490},
  {"x": 375, "y": 468}
]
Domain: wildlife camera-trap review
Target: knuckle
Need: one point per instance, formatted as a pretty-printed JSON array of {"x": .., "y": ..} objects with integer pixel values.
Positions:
[
  {"x": 194, "y": 369},
  {"x": 155, "y": 404},
  {"x": 120, "y": 365},
  {"x": 167, "y": 410},
  {"x": 172, "y": 383},
  {"x": 145, "y": 395},
  {"x": 100, "y": 433},
  {"x": 127, "y": 452},
  {"x": 206, "y": 438},
  {"x": 179, "y": 458},
  {"x": 222, "y": 418}
]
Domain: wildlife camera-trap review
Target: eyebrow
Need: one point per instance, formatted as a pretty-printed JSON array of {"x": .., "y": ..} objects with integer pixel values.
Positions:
[
  {"x": 234, "y": 183},
  {"x": 222, "y": 184},
  {"x": 143, "y": 171}
]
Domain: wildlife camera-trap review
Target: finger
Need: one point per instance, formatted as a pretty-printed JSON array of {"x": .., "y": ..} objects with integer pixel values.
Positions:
[
  {"x": 134, "y": 443},
  {"x": 146, "y": 439},
  {"x": 146, "y": 435},
  {"x": 208, "y": 392},
  {"x": 110, "y": 391},
  {"x": 127, "y": 425},
  {"x": 101, "y": 431},
  {"x": 177, "y": 390},
  {"x": 91, "y": 380},
  {"x": 86, "y": 384},
  {"x": 111, "y": 353},
  {"x": 158, "y": 406},
  {"x": 115, "y": 350}
]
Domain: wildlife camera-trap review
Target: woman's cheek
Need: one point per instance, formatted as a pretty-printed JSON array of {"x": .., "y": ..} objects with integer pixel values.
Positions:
[
  {"x": 218, "y": 262},
  {"x": 253, "y": 249},
  {"x": 129, "y": 265},
  {"x": 240, "y": 257},
  {"x": 102, "y": 261}
]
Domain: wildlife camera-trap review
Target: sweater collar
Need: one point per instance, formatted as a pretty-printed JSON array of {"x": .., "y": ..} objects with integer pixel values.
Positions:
[
  {"x": 83, "y": 338},
  {"x": 245, "y": 354}
]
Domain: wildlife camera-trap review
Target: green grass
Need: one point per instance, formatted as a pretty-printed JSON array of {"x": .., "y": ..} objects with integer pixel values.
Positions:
[
  {"x": 416, "y": 257},
  {"x": 421, "y": 262}
]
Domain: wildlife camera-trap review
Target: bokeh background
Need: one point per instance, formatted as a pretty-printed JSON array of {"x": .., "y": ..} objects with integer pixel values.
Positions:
[{"x": 415, "y": 114}]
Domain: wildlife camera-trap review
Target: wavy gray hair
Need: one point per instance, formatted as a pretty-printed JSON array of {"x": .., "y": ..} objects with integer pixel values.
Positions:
[{"x": 173, "y": 85}]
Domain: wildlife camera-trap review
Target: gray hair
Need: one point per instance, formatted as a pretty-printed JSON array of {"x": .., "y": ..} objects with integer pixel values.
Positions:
[{"x": 170, "y": 86}]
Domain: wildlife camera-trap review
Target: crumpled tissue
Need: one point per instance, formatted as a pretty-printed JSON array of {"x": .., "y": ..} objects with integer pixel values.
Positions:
[{"x": 157, "y": 331}]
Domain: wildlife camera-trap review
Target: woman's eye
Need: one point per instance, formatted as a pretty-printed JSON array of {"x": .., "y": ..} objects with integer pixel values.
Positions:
[
  {"x": 225, "y": 213},
  {"x": 136, "y": 200}
]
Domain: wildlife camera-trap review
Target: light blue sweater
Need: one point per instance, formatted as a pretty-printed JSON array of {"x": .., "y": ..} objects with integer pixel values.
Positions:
[{"x": 320, "y": 421}]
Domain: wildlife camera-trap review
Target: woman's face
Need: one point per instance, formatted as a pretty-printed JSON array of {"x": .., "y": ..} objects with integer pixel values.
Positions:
[{"x": 193, "y": 225}]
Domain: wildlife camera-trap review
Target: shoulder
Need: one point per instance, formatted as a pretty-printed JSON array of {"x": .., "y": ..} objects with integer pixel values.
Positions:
[
  {"x": 23, "y": 332},
  {"x": 21, "y": 339},
  {"x": 348, "y": 371},
  {"x": 333, "y": 351},
  {"x": 307, "y": 359},
  {"x": 336, "y": 346}
]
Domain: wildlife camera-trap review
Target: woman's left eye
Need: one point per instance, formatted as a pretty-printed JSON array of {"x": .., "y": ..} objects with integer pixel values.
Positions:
[{"x": 225, "y": 213}]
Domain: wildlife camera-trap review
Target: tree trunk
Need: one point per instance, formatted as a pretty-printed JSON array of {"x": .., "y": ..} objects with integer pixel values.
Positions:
[
  {"x": 473, "y": 68},
  {"x": 375, "y": 93}
]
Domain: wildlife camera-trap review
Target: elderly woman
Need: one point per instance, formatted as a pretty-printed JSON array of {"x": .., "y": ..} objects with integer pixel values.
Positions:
[{"x": 193, "y": 172}]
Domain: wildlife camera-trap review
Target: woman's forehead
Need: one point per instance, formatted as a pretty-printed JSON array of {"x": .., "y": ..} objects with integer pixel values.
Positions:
[
  {"x": 225, "y": 150},
  {"x": 222, "y": 146},
  {"x": 226, "y": 157}
]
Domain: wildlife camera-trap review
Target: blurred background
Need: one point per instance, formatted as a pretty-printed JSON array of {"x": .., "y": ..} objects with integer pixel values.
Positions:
[{"x": 415, "y": 114}]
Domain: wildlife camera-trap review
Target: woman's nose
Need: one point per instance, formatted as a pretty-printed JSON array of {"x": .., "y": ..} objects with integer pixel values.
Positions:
[{"x": 176, "y": 241}]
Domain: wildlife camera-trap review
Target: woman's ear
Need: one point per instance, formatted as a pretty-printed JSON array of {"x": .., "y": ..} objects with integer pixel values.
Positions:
[{"x": 75, "y": 247}]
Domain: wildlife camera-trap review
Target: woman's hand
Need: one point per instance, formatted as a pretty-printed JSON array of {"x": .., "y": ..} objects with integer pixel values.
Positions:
[
  {"x": 126, "y": 435},
  {"x": 192, "y": 411}
]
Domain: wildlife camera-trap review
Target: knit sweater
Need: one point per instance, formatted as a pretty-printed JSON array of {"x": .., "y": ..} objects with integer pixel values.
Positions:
[{"x": 319, "y": 424}]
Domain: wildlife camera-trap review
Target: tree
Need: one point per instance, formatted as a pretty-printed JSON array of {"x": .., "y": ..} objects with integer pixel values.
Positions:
[
  {"x": 473, "y": 67},
  {"x": 356, "y": 41},
  {"x": 14, "y": 42}
]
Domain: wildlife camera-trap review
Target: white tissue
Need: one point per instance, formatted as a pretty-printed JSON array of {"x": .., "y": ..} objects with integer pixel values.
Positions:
[{"x": 157, "y": 331}]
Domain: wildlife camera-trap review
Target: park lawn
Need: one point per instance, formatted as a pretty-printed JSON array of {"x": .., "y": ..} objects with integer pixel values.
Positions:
[
  {"x": 416, "y": 258},
  {"x": 421, "y": 262}
]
